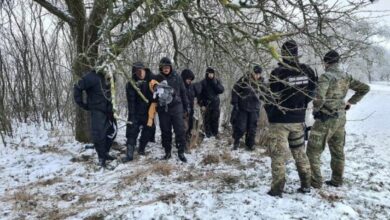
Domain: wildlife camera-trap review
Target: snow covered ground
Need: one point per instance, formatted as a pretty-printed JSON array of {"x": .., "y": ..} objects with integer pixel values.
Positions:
[{"x": 44, "y": 174}]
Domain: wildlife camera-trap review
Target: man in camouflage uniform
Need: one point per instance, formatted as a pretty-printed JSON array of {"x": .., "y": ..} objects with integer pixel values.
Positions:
[
  {"x": 329, "y": 112},
  {"x": 292, "y": 85}
]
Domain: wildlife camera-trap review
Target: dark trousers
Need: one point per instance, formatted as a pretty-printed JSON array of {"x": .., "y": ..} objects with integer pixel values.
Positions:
[
  {"x": 245, "y": 122},
  {"x": 103, "y": 132},
  {"x": 211, "y": 121},
  {"x": 139, "y": 125},
  {"x": 169, "y": 120}
]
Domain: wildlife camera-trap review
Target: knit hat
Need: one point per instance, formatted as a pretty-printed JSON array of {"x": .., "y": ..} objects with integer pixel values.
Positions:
[
  {"x": 331, "y": 57},
  {"x": 136, "y": 66},
  {"x": 257, "y": 69},
  {"x": 290, "y": 48},
  {"x": 165, "y": 61},
  {"x": 187, "y": 74},
  {"x": 210, "y": 70}
]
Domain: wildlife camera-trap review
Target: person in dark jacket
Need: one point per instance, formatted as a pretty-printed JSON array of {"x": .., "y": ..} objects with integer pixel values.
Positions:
[
  {"x": 208, "y": 99},
  {"x": 188, "y": 76},
  {"x": 171, "y": 113},
  {"x": 292, "y": 85},
  {"x": 103, "y": 123},
  {"x": 246, "y": 103},
  {"x": 138, "y": 110}
]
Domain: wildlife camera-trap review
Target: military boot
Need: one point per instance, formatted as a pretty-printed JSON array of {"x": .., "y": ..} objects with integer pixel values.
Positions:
[
  {"x": 330, "y": 183},
  {"x": 107, "y": 156},
  {"x": 182, "y": 157},
  {"x": 129, "y": 153},
  {"x": 236, "y": 144},
  {"x": 102, "y": 162}
]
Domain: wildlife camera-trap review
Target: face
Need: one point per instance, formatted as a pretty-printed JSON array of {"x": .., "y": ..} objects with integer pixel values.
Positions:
[
  {"x": 166, "y": 70},
  {"x": 141, "y": 74},
  {"x": 210, "y": 75},
  {"x": 256, "y": 76},
  {"x": 188, "y": 81}
]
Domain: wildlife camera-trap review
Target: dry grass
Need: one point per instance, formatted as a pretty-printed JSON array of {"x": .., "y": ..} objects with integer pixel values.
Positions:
[
  {"x": 330, "y": 197},
  {"x": 136, "y": 176},
  {"x": 210, "y": 159},
  {"x": 49, "y": 182},
  {"x": 229, "y": 179},
  {"x": 164, "y": 169},
  {"x": 167, "y": 198},
  {"x": 23, "y": 200},
  {"x": 86, "y": 198}
]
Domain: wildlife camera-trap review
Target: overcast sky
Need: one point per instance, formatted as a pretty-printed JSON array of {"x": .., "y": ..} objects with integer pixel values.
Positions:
[{"x": 381, "y": 8}]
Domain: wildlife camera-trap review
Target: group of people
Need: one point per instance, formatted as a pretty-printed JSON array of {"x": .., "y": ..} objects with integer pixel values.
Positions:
[
  {"x": 168, "y": 94},
  {"x": 292, "y": 85}
]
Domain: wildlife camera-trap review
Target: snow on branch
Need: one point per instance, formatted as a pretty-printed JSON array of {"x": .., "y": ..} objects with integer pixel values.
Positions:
[{"x": 56, "y": 11}]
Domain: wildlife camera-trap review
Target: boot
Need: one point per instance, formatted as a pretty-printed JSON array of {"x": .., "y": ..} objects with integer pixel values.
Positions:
[
  {"x": 129, "y": 154},
  {"x": 102, "y": 162},
  {"x": 249, "y": 148},
  {"x": 274, "y": 194},
  {"x": 304, "y": 190},
  {"x": 182, "y": 157},
  {"x": 236, "y": 145},
  {"x": 330, "y": 183},
  {"x": 167, "y": 156},
  {"x": 141, "y": 149},
  {"x": 107, "y": 156}
]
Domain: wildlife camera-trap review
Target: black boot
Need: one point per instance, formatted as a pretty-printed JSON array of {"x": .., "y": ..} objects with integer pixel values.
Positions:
[
  {"x": 236, "y": 145},
  {"x": 182, "y": 157},
  {"x": 167, "y": 156},
  {"x": 304, "y": 190},
  {"x": 330, "y": 183},
  {"x": 274, "y": 194},
  {"x": 249, "y": 148},
  {"x": 129, "y": 154},
  {"x": 102, "y": 162},
  {"x": 141, "y": 150},
  {"x": 107, "y": 156}
]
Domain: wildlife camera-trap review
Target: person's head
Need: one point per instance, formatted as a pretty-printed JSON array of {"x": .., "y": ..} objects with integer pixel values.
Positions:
[
  {"x": 256, "y": 74},
  {"x": 165, "y": 66},
  {"x": 289, "y": 50},
  {"x": 187, "y": 75},
  {"x": 139, "y": 70},
  {"x": 210, "y": 73},
  {"x": 331, "y": 57}
]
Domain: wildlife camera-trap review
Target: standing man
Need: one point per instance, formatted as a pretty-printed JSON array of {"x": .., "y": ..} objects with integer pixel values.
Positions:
[
  {"x": 246, "y": 107},
  {"x": 103, "y": 124},
  {"x": 208, "y": 99},
  {"x": 188, "y": 76},
  {"x": 171, "y": 110},
  {"x": 138, "y": 110},
  {"x": 329, "y": 111},
  {"x": 292, "y": 85}
]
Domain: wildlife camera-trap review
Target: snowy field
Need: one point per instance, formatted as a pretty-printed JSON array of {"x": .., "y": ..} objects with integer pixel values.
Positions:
[{"x": 45, "y": 174}]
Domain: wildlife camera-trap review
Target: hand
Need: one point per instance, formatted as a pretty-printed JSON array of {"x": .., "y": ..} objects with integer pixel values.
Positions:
[
  {"x": 203, "y": 108},
  {"x": 347, "y": 106},
  {"x": 316, "y": 115}
]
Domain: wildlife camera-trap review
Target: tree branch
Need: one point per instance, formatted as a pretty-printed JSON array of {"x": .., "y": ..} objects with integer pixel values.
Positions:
[{"x": 56, "y": 11}]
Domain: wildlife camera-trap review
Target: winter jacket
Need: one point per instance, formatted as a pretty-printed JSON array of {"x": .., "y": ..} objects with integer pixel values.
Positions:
[
  {"x": 246, "y": 94},
  {"x": 292, "y": 89},
  {"x": 98, "y": 93},
  {"x": 179, "y": 95},
  {"x": 210, "y": 91},
  {"x": 136, "y": 105}
]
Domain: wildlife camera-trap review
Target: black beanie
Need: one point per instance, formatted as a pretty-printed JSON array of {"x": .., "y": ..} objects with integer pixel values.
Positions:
[
  {"x": 331, "y": 57},
  {"x": 187, "y": 74},
  {"x": 136, "y": 66},
  {"x": 290, "y": 48},
  {"x": 165, "y": 61},
  {"x": 257, "y": 69},
  {"x": 210, "y": 70}
]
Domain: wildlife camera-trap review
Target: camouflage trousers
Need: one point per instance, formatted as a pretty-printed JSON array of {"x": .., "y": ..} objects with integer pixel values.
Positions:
[
  {"x": 282, "y": 136},
  {"x": 331, "y": 131}
]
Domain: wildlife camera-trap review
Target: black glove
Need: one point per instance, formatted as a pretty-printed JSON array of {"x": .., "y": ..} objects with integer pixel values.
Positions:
[
  {"x": 347, "y": 107},
  {"x": 316, "y": 115},
  {"x": 84, "y": 106}
]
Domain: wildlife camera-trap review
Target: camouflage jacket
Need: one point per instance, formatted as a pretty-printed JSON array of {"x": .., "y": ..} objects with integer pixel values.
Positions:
[{"x": 332, "y": 88}]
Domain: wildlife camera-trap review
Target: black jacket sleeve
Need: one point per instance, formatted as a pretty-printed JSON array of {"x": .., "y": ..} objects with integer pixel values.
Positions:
[
  {"x": 183, "y": 96},
  {"x": 235, "y": 93},
  {"x": 218, "y": 87}
]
